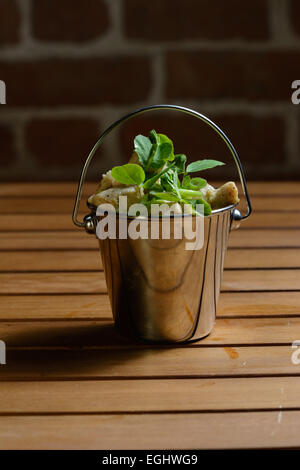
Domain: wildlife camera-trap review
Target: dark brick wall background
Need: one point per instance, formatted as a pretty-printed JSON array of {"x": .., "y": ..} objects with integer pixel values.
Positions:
[{"x": 72, "y": 67}]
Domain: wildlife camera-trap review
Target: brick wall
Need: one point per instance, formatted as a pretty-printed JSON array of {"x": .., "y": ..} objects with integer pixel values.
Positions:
[{"x": 72, "y": 67}]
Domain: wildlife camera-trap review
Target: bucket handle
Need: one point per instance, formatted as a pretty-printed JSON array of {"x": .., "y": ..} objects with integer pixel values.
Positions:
[{"x": 235, "y": 214}]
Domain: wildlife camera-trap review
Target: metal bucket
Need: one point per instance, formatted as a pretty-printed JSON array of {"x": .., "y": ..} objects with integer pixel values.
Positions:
[{"x": 159, "y": 291}]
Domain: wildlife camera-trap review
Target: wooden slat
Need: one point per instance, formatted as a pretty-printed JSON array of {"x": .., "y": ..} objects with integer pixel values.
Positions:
[
  {"x": 259, "y": 304},
  {"x": 36, "y": 205},
  {"x": 171, "y": 431},
  {"x": 75, "y": 240},
  {"x": 80, "y": 240},
  {"x": 94, "y": 282},
  {"x": 37, "y": 222},
  {"x": 264, "y": 238},
  {"x": 61, "y": 205},
  {"x": 77, "y": 260},
  {"x": 42, "y": 307},
  {"x": 150, "y": 395},
  {"x": 102, "y": 334},
  {"x": 168, "y": 362},
  {"x": 281, "y": 188},
  {"x": 38, "y": 283},
  {"x": 270, "y": 280},
  {"x": 89, "y": 306},
  {"x": 256, "y": 258},
  {"x": 267, "y": 188},
  {"x": 42, "y": 222},
  {"x": 81, "y": 260},
  {"x": 72, "y": 361},
  {"x": 45, "y": 189},
  {"x": 271, "y": 220}
]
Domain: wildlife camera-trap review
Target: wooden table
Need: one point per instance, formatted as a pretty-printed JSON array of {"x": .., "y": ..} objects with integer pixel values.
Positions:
[{"x": 70, "y": 382}]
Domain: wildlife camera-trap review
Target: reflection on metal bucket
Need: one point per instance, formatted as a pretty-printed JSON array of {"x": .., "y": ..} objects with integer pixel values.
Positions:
[{"x": 159, "y": 291}]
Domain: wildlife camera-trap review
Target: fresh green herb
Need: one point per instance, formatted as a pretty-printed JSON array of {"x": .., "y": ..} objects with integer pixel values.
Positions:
[
  {"x": 193, "y": 183},
  {"x": 201, "y": 165},
  {"x": 207, "y": 208},
  {"x": 128, "y": 174},
  {"x": 166, "y": 196},
  {"x": 151, "y": 181},
  {"x": 180, "y": 161},
  {"x": 161, "y": 151},
  {"x": 158, "y": 173},
  {"x": 142, "y": 146}
]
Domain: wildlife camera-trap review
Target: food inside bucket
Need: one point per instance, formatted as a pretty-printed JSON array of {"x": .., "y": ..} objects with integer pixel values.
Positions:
[{"x": 156, "y": 175}]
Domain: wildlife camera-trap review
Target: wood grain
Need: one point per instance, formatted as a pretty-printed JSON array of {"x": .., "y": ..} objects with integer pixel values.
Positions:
[
  {"x": 74, "y": 260},
  {"x": 54, "y": 307},
  {"x": 52, "y": 283},
  {"x": 259, "y": 304},
  {"x": 55, "y": 222},
  {"x": 123, "y": 396},
  {"x": 64, "y": 205},
  {"x": 80, "y": 240},
  {"x": 101, "y": 334},
  {"x": 266, "y": 188},
  {"x": 237, "y": 388},
  {"x": 167, "y": 362},
  {"x": 94, "y": 282},
  {"x": 90, "y": 306},
  {"x": 88, "y": 260},
  {"x": 267, "y": 279},
  {"x": 264, "y": 238},
  {"x": 75, "y": 240},
  {"x": 240, "y": 430}
]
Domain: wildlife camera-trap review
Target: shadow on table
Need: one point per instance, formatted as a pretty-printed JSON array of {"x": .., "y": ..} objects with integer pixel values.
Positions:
[{"x": 72, "y": 350}]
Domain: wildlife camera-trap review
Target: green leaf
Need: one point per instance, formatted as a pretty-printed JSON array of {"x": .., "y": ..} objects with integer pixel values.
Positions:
[
  {"x": 150, "y": 182},
  {"x": 207, "y": 208},
  {"x": 128, "y": 174},
  {"x": 165, "y": 196},
  {"x": 161, "y": 154},
  {"x": 180, "y": 161},
  {"x": 186, "y": 182},
  {"x": 198, "y": 183},
  {"x": 161, "y": 151},
  {"x": 142, "y": 146},
  {"x": 165, "y": 139},
  {"x": 201, "y": 165},
  {"x": 190, "y": 194},
  {"x": 170, "y": 181}
]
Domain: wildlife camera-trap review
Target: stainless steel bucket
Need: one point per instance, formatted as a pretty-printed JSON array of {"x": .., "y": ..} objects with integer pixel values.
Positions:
[{"x": 159, "y": 291}]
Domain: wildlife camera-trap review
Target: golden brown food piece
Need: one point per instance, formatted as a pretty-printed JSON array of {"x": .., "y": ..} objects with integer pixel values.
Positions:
[
  {"x": 112, "y": 195},
  {"x": 224, "y": 196},
  {"x": 108, "y": 181}
]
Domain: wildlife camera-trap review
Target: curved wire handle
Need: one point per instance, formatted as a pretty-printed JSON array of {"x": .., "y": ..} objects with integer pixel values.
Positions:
[{"x": 128, "y": 116}]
